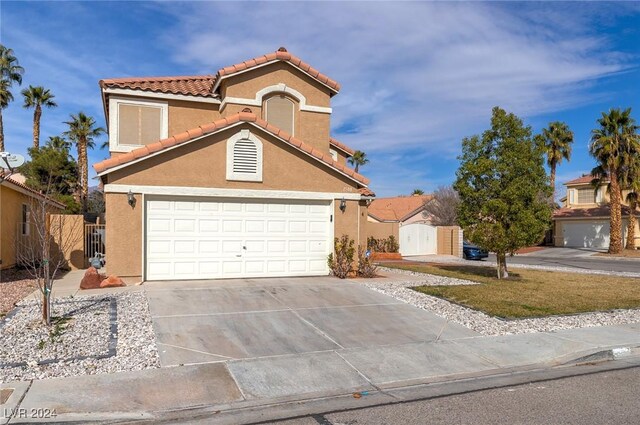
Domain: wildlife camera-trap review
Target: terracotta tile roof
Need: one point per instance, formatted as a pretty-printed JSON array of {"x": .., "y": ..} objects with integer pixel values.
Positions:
[
  {"x": 365, "y": 191},
  {"x": 218, "y": 125},
  {"x": 397, "y": 208},
  {"x": 32, "y": 191},
  {"x": 580, "y": 180},
  {"x": 198, "y": 85},
  {"x": 338, "y": 144},
  {"x": 280, "y": 55},
  {"x": 603, "y": 211}
]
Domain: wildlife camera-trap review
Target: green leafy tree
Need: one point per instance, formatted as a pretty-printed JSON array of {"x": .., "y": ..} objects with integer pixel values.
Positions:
[
  {"x": 417, "y": 192},
  {"x": 503, "y": 188},
  {"x": 611, "y": 145},
  {"x": 55, "y": 172},
  {"x": 36, "y": 98},
  {"x": 10, "y": 72},
  {"x": 557, "y": 139},
  {"x": 358, "y": 159},
  {"x": 82, "y": 132}
]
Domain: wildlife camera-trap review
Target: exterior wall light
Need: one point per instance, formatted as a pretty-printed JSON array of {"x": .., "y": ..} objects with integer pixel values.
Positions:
[
  {"x": 343, "y": 205},
  {"x": 131, "y": 199}
]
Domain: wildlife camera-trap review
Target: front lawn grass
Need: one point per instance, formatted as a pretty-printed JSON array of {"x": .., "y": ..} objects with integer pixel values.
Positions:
[{"x": 530, "y": 293}]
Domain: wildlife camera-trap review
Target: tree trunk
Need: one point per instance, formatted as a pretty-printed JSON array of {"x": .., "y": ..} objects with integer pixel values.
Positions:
[
  {"x": 1, "y": 133},
  {"x": 502, "y": 265},
  {"x": 552, "y": 181},
  {"x": 37, "y": 113},
  {"x": 357, "y": 165},
  {"x": 631, "y": 226},
  {"x": 615, "y": 241}
]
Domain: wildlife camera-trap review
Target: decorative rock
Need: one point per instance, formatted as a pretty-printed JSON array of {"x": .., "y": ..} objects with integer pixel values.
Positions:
[
  {"x": 91, "y": 279},
  {"x": 112, "y": 282}
]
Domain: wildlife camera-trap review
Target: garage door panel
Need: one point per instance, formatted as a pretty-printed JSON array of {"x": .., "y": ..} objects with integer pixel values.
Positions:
[
  {"x": 588, "y": 234},
  {"x": 216, "y": 238}
]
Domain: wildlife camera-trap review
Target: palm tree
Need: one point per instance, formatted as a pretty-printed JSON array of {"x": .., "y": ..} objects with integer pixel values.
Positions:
[
  {"x": 10, "y": 72},
  {"x": 36, "y": 98},
  {"x": 616, "y": 135},
  {"x": 59, "y": 143},
  {"x": 417, "y": 192},
  {"x": 631, "y": 182},
  {"x": 5, "y": 98},
  {"x": 557, "y": 139},
  {"x": 358, "y": 158},
  {"x": 82, "y": 131}
]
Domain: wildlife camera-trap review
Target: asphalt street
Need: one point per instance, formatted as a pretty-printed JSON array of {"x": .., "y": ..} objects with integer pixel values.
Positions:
[
  {"x": 601, "y": 398},
  {"x": 592, "y": 262}
]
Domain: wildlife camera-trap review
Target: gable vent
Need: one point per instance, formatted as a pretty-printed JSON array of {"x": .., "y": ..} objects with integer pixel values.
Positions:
[{"x": 245, "y": 157}]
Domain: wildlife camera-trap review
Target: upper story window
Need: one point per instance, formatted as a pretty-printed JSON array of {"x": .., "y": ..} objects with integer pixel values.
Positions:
[
  {"x": 279, "y": 110},
  {"x": 244, "y": 157},
  {"x": 134, "y": 123},
  {"x": 586, "y": 196}
]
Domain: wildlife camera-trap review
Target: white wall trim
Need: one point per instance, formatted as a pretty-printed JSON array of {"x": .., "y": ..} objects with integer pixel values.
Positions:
[
  {"x": 276, "y": 88},
  {"x": 154, "y": 95},
  {"x": 244, "y": 135},
  {"x": 215, "y": 192},
  {"x": 224, "y": 77},
  {"x": 115, "y": 102}
]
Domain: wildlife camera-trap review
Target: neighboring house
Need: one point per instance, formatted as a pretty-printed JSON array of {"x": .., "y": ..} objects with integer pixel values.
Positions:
[
  {"x": 16, "y": 203},
  {"x": 227, "y": 175},
  {"x": 400, "y": 209},
  {"x": 583, "y": 220}
]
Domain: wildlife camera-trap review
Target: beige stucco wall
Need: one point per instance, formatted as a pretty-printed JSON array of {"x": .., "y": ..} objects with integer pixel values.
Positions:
[
  {"x": 10, "y": 215},
  {"x": 68, "y": 235},
  {"x": 185, "y": 115},
  {"x": 203, "y": 164},
  {"x": 124, "y": 237}
]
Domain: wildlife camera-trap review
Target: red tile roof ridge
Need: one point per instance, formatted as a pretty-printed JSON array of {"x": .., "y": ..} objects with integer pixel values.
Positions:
[
  {"x": 219, "y": 124},
  {"x": 157, "y": 78},
  {"x": 282, "y": 56}
]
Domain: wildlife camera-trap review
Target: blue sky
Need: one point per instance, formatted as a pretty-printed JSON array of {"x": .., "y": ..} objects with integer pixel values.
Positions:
[{"x": 416, "y": 77}]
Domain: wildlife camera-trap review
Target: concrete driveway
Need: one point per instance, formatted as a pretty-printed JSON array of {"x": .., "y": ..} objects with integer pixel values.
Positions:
[{"x": 213, "y": 321}]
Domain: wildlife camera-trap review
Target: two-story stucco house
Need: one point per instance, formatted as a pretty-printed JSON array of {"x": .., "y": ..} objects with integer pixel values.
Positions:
[
  {"x": 227, "y": 175},
  {"x": 583, "y": 220}
]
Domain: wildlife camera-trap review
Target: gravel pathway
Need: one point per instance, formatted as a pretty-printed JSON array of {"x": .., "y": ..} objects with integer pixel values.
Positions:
[
  {"x": 82, "y": 343},
  {"x": 483, "y": 323}
]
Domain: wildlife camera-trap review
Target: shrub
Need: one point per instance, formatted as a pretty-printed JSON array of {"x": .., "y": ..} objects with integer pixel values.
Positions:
[
  {"x": 341, "y": 259},
  {"x": 389, "y": 244},
  {"x": 366, "y": 268}
]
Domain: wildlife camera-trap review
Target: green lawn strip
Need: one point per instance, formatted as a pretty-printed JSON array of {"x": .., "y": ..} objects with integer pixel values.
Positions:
[{"x": 530, "y": 293}]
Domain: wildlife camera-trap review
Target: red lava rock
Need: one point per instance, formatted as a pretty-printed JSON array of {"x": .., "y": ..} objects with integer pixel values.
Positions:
[
  {"x": 112, "y": 282},
  {"x": 91, "y": 279}
]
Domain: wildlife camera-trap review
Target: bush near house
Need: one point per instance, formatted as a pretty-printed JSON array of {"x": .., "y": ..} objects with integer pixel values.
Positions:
[
  {"x": 341, "y": 260},
  {"x": 389, "y": 244}
]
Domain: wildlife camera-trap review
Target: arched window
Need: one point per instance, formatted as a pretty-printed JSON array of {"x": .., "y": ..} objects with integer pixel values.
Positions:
[
  {"x": 279, "y": 110},
  {"x": 244, "y": 157}
]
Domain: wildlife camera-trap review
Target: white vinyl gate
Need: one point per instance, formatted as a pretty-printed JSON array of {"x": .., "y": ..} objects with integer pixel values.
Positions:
[
  {"x": 227, "y": 238},
  {"x": 418, "y": 239}
]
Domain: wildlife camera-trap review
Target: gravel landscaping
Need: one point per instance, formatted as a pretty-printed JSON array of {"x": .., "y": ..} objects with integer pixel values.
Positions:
[
  {"x": 89, "y": 335},
  {"x": 483, "y": 323},
  {"x": 14, "y": 286}
]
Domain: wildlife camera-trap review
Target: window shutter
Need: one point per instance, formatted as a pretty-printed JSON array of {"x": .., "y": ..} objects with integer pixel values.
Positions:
[
  {"x": 245, "y": 157},
  {"x": 280, "y": 112}
]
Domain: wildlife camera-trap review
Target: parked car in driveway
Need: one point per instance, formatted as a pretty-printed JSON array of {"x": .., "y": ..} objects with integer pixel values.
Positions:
[{"x": 473, "y": 252}]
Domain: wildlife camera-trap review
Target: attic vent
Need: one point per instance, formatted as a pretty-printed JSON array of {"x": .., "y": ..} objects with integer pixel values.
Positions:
[{"x": 244, "y": 157}]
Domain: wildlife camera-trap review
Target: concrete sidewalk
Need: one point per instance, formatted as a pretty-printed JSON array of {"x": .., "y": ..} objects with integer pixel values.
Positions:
[{"x": 213, "y": 391}]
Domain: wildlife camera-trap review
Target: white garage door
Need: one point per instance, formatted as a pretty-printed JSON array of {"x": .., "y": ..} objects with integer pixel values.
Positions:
[
  {"x": 227, "y": 238},
  {"x": 587, "y": 234}
]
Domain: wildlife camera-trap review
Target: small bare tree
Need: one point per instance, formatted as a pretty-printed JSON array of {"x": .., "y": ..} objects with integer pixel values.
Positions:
[
  {"x": 443, "y": 207},
  {"x": 42, "y": 242}
]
